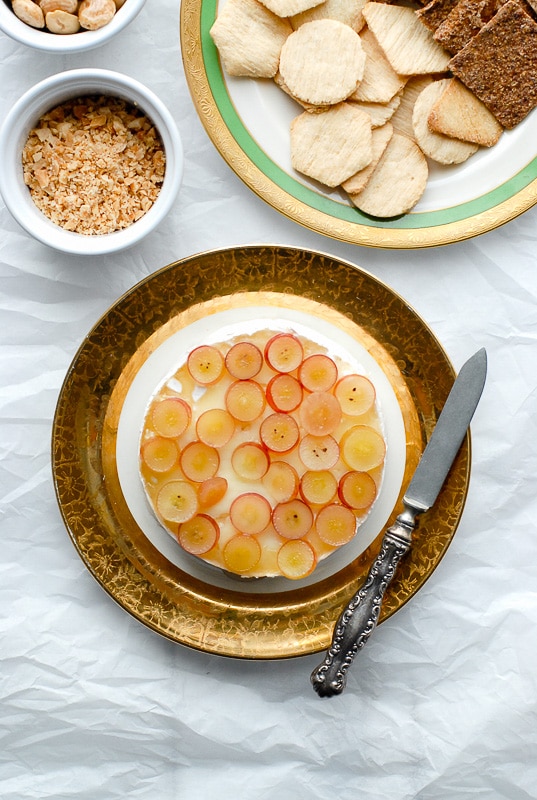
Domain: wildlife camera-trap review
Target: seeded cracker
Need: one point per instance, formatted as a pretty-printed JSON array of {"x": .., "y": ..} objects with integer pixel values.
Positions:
[
  {"x": 500, "y": 64},
  {"x": 322, "y": 62},
  {"x": 434, "y": 13},
  {"x": 464, "y": 21},
  {"x": 249, "y": 38}
]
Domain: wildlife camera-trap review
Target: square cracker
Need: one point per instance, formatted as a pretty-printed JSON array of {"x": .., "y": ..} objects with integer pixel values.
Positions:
[
  {"x": 434, "y": 13},
  {"x": 464, "y": 21},
  {"x": 499, "y": 64}
]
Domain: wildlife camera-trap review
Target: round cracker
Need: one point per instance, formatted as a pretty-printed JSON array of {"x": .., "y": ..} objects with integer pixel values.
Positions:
[
  {"x": 249, "y": 38},
  {"x": 398, "y": 181},
  {"x": 288, "y": 8},
  {"x": 322, "y": 62},
  {"x": 440, "y": 148},
  {"x": 332, "y": 145}
]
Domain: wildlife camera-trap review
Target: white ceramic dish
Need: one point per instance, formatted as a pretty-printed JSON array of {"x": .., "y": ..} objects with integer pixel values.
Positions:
[
  {"x": 41, "y": 39},
  {"x": 46, "y": 95}
]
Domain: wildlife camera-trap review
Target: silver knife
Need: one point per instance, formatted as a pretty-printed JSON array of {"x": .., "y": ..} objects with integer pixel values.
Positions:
[{"x": 359, "y": 618}]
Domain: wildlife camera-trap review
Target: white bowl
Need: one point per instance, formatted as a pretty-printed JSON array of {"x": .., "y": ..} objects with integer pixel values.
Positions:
[
  {"x": 12, "y": 26},
  {"x": 44, "y": 96}
]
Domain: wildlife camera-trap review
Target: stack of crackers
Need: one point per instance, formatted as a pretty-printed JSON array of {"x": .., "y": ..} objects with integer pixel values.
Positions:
[{"x": 386, "y": 88}]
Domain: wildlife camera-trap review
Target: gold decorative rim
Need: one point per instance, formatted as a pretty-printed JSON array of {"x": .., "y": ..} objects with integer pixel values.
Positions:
[
  {"x": 429, "y": 229},
  {"x": 107, "y": 538}
]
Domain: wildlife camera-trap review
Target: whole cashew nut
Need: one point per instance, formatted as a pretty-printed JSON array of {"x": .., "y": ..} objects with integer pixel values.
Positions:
[
  {"x": 29, "y": 12},
  {"x": 94, "y": 14},
  {"x": 58, "y": 5},
  {"x": 62, "y": 22}
]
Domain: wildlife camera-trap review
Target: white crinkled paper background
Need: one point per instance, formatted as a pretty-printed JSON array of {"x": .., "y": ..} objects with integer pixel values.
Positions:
[{"x": 442, "y": 701}]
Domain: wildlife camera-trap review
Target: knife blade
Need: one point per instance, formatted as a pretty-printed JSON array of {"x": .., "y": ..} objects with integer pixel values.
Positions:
[{"x": 360, "y": 616}]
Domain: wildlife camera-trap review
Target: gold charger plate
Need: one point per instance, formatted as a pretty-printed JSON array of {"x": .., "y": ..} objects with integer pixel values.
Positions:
[{"x": 169, "y": 600}]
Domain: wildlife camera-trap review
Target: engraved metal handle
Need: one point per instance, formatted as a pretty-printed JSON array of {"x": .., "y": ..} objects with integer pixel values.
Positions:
[{"x": 359, "y": 618}]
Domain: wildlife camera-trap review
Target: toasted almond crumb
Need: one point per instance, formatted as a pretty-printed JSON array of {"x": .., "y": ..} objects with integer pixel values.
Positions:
[{"x": 94, "y": 165}]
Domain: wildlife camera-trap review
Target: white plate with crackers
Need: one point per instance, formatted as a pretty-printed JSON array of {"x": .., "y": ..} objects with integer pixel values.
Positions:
[{"x": 475, "y": 178}]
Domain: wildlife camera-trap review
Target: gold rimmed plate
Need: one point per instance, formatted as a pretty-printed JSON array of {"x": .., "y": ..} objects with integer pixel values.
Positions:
[
  {"x": 95, "y": 440},
  {"x": 248, "y": 121}
]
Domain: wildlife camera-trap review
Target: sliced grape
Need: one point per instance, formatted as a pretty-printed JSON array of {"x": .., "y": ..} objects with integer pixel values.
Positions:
[
  {"x": 293, "y": 519},
  {"x": 284, "y": 352},
  {"x": 284, "y": 392},
  {"x": 320, "y": 413},
  {"x": 335, "y": 525},
  {"x": 279, "y": 432},
  {"x": 215, "y": 427},
  {"x": 206, "y": 364},
  {"x": 356, "y": 394},
  {"x": 357, "y": 490},
  {"x": 177, "y": 501},
  {"x": 199, "y": 534},
  {"x": 250, "y": 513},
  {"x": 250, "y": 461},
  {"x": 244, "y": 360},
  {"x": 318, "y": 452},
  {"x": 318, "y": 373},
  {"x": 199, "y": 461},
  {"x": 281, "y": 481},
  {"x": 318, "y": 487},
  {"x": 171, "y": 416},
  {"x": 159, "y": 454},
  {"x": 241, "y": 553},
  {"x": 296, "y": 559},
  {"x": 362, "y": 448},
  {"x": 245, "y": 400}
]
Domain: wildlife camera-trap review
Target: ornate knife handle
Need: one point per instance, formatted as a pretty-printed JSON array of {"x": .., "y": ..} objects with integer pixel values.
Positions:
[{"x": 359, "y": 618}]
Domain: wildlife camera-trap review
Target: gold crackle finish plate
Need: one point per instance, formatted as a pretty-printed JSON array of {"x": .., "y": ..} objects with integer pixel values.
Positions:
[
  {"x": 248, "y": 121},
  {"x": 174, "y": 601}
]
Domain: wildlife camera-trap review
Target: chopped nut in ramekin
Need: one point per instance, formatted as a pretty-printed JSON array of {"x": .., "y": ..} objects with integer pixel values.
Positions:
[{"x": 94, "y": 165}]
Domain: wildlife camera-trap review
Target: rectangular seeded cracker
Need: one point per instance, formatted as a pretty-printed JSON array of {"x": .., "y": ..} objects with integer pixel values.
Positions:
[
  {"x": 464, "y": 21},
  {"x": 499, "y": 64},
  {"x": 434, "y": 13}
]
